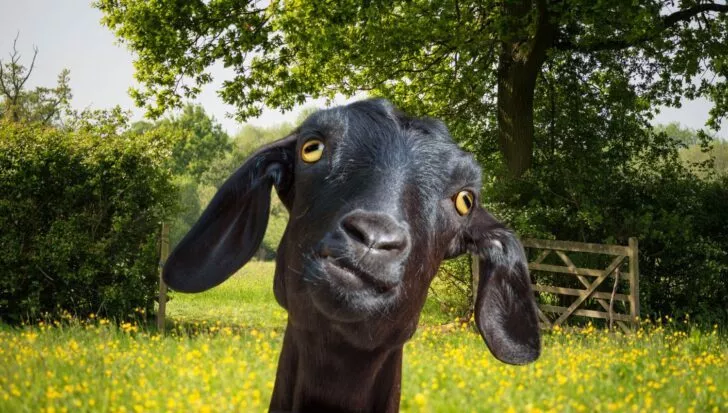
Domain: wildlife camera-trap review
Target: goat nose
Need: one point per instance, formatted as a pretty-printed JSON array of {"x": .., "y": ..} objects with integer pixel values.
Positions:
[{"x": 376, "y": 231}]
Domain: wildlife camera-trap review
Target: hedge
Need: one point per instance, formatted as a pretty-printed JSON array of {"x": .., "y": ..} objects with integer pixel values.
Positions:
[{"x": 80, "y": 213}]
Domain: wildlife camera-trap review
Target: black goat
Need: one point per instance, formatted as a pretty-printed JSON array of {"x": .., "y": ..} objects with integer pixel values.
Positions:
[{"x": 377, "y": 200}]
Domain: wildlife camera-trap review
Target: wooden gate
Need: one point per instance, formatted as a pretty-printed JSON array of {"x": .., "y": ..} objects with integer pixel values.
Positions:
[{"x": 603, "y": 299}]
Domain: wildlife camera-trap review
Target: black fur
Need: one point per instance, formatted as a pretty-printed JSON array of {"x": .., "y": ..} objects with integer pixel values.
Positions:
[{"x": 370, "y": 223}]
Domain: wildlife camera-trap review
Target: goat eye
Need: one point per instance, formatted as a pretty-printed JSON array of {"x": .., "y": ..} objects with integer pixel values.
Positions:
[
  {"x": 312, "y": 150},
  {"x": 464, "y": 201}
]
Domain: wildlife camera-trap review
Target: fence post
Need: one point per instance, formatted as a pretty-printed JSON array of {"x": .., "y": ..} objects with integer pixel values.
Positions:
[
  {"x": 634, "y": 280},
  {"x": 164, "y": 253},
  {"x": 475, "y": 276}
]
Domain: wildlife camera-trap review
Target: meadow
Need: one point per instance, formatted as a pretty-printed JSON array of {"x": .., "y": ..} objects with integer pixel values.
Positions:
[{"x": 221, "y": 348}]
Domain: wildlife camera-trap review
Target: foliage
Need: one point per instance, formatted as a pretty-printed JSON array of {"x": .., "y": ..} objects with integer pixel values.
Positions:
[
  {"x": 452, "y": 291},
  {"x": 707, "y": 162},
  {"x": 198, "y": 139},
  {"x": 221, "y": 356},
  {"x": 80, "y": 212},
  {"x": 42, "y": 104},
  {"x": 685, "y": 136},
  {"x": 705, "y": 155},
  {"x": 203, "y": 157}
]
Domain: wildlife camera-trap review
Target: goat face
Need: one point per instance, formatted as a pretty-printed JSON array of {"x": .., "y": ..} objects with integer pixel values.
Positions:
[
  {"x": 376, "y": 200},
  {"x": 371, "y": 219}
]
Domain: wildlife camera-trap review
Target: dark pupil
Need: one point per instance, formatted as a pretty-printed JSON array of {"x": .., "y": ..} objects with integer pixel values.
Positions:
[
  {"x": 466, "y": 200},
  {"x": 311, "y": 148}
]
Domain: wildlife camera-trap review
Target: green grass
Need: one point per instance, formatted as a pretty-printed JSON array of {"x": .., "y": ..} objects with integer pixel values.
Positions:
[
  {"x": 227, "y": 360},
  {"x": 245, "y": 300}
]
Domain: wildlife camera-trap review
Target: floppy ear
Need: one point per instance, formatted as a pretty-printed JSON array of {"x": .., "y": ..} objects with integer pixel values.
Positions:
[
  {"x": 505, "y": 310},
  {"x": 231, "y": 228}
]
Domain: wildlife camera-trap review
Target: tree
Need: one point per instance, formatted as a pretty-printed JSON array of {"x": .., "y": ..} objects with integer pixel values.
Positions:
[
  {"x": 475, "y": 63},
  {"x": 685, "y": 136},
  {"x": 43, "y": 105},
  {"x": 198, "y": 139}
]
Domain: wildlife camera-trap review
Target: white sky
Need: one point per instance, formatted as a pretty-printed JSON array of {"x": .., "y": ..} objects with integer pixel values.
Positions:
[{"x": 68, "y": 34}]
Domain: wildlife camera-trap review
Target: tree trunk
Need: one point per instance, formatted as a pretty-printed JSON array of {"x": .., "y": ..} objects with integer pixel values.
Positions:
[
  {"x": 516, "y": 86},
  {"x": 519, "y": 64}
]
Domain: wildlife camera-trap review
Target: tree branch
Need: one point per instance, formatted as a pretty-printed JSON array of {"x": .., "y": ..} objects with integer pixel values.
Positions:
[
  {"x": 52, "y": 111},
  {"x": 544, "y": 38},
  {"x": 667, "y": 22},
  {"x": 682, "y": 15},
  {"x": 14, "y": 59},
  {"x": 30, "y": 69}
]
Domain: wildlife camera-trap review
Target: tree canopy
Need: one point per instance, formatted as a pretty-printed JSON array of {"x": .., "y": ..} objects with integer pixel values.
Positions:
[{"x": 477, "y": 64}]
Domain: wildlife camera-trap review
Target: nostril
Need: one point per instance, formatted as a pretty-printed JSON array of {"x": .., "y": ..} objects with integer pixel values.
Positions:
[
  {"x": 390, "y": 242},
  {"x": 354, "y": 230},
  {"x": 376, "y": 231}
]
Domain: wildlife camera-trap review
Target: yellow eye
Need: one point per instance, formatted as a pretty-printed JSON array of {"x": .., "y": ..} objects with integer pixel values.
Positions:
[
  {"x": 312, "y": 150},
  {"x": 464, "y": 201}
]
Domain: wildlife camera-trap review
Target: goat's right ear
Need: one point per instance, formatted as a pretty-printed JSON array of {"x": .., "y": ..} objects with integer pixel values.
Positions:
[{"x": 232, "y": 226}]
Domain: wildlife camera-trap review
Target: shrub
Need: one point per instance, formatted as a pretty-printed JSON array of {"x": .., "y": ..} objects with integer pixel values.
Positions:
[{"x": 80, "y": 213}]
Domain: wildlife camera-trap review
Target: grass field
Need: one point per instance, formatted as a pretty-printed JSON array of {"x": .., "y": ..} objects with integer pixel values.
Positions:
[{"x": 222, "y": 354}]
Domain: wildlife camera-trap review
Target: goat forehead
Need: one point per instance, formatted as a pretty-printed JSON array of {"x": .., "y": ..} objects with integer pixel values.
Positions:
[{"x": 371, "y": 137}]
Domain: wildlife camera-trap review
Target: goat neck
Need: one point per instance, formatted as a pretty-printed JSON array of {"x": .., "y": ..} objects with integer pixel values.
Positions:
[{"x": 320, "y": 372}]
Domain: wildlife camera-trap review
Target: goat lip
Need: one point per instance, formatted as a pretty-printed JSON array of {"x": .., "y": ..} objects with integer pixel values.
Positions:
[{"x": 354, "y": 277}]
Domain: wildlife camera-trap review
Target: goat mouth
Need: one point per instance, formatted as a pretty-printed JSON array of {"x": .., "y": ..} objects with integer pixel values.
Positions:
[
  {"x": 351, "y": 277},
  {"x": 344, "y": 293}
]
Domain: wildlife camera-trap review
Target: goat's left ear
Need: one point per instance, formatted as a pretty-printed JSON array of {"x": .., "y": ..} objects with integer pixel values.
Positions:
[
  {"x": 505, "y": 310},
  {"x": 232, "y": 227}
]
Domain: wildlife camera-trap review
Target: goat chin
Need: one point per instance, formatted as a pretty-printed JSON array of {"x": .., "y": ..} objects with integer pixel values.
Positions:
[
  {"x": 346, "y": 294},
  {"x": 376, "y": 200}
]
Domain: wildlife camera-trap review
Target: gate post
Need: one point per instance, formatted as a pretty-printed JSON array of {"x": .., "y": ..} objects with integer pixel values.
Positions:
[
  {"x": 634, "y": 280},
  {"x": 475, "y": 276},
  {"x": 164, "y": 253}
]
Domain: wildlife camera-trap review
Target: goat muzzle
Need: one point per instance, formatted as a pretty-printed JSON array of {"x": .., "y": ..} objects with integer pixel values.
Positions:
[{"x": 370, "y": 246}]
